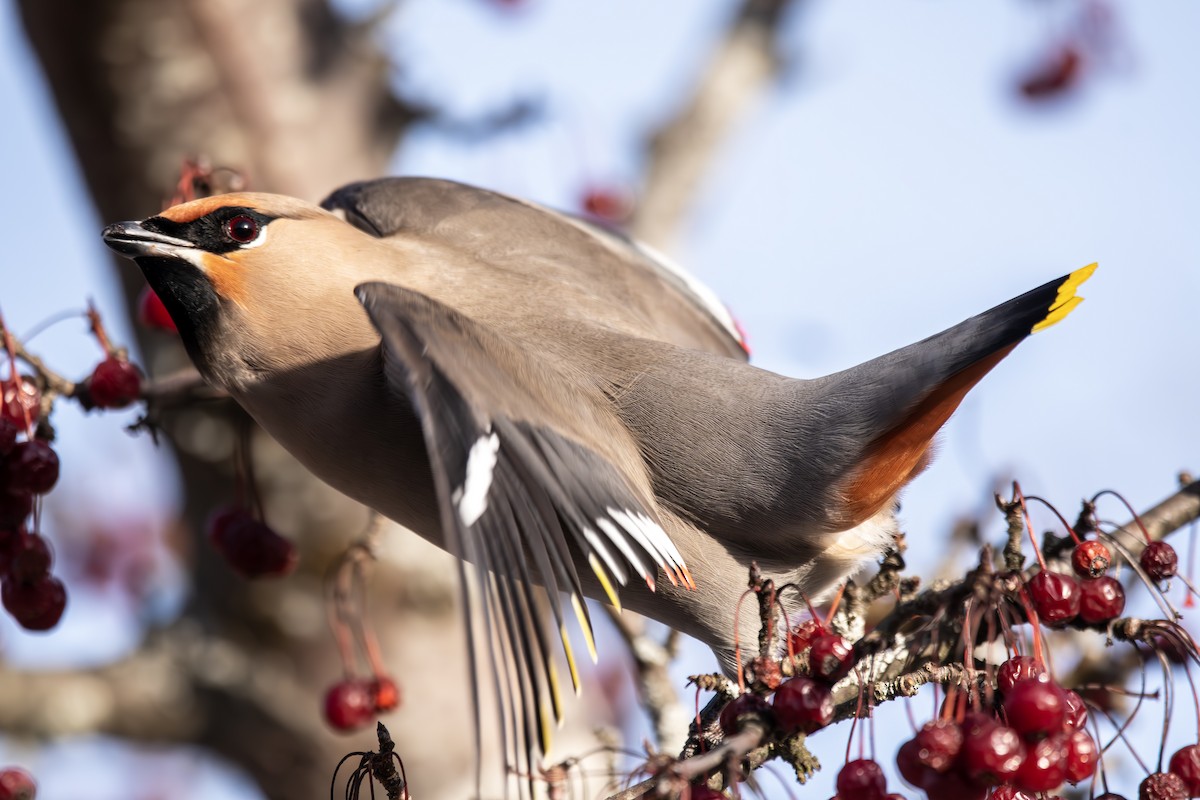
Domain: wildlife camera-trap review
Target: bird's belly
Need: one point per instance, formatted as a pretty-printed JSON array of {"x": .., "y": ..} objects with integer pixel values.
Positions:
[{"x": 362, "y": 441}]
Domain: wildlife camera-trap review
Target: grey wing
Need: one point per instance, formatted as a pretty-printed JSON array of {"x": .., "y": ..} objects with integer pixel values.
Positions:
[
  {"x": 498, "y": 228},
  {"x": 521, "y": 497}
]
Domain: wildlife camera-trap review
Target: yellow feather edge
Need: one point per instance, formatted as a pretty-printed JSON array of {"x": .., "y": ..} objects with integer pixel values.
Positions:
[
  {"x": 1066, "y": 300},
  {"x": 587, "y": 629},
  {"x": 602, "y": 576},
  {"x": 562, "y": 632}
]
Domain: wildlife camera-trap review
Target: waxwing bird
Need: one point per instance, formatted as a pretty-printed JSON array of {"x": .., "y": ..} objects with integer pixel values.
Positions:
[{"x": 553, "y": 403}]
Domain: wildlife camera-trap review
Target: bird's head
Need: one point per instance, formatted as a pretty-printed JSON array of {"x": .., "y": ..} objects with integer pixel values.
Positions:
[{"x": 256, "y": 283}]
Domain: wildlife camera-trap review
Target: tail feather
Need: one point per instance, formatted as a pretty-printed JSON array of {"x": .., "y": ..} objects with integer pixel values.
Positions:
[{"x": 904, "y": 397}]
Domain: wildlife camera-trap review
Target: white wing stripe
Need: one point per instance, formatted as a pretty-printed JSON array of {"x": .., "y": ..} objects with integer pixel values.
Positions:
[{"x": 613, "y": 565}]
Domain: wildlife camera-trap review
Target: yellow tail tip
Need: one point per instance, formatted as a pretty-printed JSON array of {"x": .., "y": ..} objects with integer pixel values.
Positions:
[{"x": 1066, "y": 300}]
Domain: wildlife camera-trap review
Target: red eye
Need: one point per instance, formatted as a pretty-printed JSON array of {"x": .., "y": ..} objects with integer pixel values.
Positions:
[{"x": 242, "y": 229}]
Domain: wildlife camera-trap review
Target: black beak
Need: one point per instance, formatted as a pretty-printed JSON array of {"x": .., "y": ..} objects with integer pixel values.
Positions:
[{"x": 132, "y": 240}]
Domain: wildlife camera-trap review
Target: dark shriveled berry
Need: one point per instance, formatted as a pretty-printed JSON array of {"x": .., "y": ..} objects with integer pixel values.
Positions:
[
  {"x": 15, "y": 506},
  {"x": 1162, "y": 786},
  {"x": 861, "y": 779},
  {"x": 31, "y": 467},
  {"x": 249, "y": 546},
  {"x": 8, "y": 435},
  {"x": 1090, "y": 559},
  {"x": 1055, "y": 596},
  {"x": 36, "y": 606},
  {"x": 700, "y": 791},
  {"x": 114, "y": 383},
  {"x": 953, "y": 786},
  {"x": 1186, "y": 764},
  {"x": 1160, "y": 561},
  {"x": 741, "y": 708},
  {"x": 29, "y": 561},
  {"x": 1101, "y": 599},
  {"x": 802, "y": 704}
]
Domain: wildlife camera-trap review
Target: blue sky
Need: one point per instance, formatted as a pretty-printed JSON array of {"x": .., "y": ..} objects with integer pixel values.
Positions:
[{"x": 889, "y": 186}]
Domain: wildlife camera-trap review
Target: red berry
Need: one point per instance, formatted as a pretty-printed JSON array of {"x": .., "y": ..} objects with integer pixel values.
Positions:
[
  {"x": 802, "y": 704},
  {"x": 29, "y": 561},
  {"x": 115, "y": 383},
  {"x": 1076, "y": 718},
  {"x": 830, "y": 658},
  {"x": 349, "y": 705},
  {"x": 1045, "y": 765},
  {"x": 153, "y": 314},
  {"x": 14, "y": 507},
  {"x": 861, "y": 779},
  {"x": 16, "y": 784},
  {"x": 803, "y": 634},
  {"x": 991, "y": 753},
  {"x": 18, "y": 400},
  {"x": 1163, "y": 786},
  {"x": 953, "y": 786},
  {"x": 250, "y": 547},
  {"x": 938, "y": 744},
  {"x": 607, "y": 204},
  {"x": 742, "y": 706},
  {"x": 1055, "y": 76},
  {"x": 37, "y": 606},
  {"x": 1009, "y": 792},
  {"x": 1034, "y": 708},
  {"x": 8, "y": 435},
  {"x": 1055, "y": 596},
  {"x": 1090, "y": 559},
  {"x": 1082, "y": 757},
  {"x": 1186, "y": 764},
  {"x": 1101, "y": 599},
  {"x": 31, "y": 467},
  {"x": 1160, "y": 561},
  {"x": 699, "y": 791},
  {"x": 385, "y": 693},
  {"x": 912, "y": 767},
  {"x": 1017, "y": 669}
]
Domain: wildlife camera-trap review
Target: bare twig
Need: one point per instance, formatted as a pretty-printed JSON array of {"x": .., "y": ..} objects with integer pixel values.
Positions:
[
  {"x": 681, "y": 151},
  {"x": 652, "y": 661}
]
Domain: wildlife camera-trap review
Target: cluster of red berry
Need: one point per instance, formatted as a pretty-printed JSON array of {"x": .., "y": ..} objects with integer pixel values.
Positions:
[
  {"x": 1030, "y": 743},
  {"x": 16, "y": 784},
  {"x": 28, "y": 469},
  {"x": 354, "y": 702},
  {"x": 803, "y": 703}
]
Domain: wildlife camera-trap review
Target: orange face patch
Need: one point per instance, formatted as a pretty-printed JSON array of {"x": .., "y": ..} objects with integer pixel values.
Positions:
[
  {"x": 226, "y": 276},
  {"x": 190, "y": 212}
]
